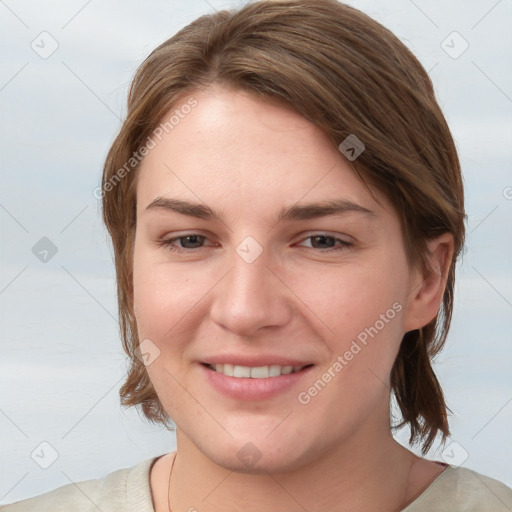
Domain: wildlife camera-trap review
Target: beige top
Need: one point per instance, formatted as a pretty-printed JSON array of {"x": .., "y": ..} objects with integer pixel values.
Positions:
[{"x": 124, "y": 490}]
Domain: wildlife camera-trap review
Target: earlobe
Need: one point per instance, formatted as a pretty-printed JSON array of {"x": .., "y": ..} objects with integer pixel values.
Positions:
[{"x": 428, "y": 290}]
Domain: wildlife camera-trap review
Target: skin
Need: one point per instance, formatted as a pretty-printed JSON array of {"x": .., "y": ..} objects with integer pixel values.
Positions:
[{"x": 247, "y": 159}]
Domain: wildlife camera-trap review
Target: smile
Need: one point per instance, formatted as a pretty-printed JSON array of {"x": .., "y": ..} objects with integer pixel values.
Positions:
[
  {"x": 247, "y": 383},
  {"x": 254, "y": 372}
]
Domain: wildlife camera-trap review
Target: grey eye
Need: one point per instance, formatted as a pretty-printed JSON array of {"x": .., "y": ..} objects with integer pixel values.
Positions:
[{"x": 195, "y": 241}]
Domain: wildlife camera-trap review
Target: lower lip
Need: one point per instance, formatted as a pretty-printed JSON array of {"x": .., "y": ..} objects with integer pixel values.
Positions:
[{"x": 246, "y": 388}]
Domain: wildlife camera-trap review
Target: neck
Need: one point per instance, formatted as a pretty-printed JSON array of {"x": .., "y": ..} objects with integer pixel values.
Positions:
[{"x": 368, "y": 469}]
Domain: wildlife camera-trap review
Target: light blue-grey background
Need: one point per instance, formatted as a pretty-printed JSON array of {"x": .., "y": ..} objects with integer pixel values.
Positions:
[{"x": 62, "y": 361}]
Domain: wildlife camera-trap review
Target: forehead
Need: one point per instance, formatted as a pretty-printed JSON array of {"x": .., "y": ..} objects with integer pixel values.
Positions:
[{"x": 247, "y": 154}]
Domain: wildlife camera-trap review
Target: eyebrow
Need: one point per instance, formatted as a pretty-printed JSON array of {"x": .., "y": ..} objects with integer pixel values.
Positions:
[{"x": 295, "y": 212}]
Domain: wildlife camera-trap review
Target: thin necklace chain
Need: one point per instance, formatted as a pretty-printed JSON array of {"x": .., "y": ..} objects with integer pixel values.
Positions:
[
  {"x": 169, "y": 486},
  {"x": 174, "y": 458}
]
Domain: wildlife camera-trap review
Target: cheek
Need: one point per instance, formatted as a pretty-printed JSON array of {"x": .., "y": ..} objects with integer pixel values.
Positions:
[
  {"x": 363, "y": 307},
  {"x": 364, "y": 311},
  {"x": 165, "y": 297},
  {"x": 348, "y": 300}
]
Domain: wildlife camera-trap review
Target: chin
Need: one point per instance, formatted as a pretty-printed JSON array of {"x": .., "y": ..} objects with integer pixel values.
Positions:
[{"x": 258, "y": 455}]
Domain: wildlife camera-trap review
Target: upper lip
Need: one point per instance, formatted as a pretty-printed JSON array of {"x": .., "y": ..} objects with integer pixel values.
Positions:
[{"x": 254, "y": 361}]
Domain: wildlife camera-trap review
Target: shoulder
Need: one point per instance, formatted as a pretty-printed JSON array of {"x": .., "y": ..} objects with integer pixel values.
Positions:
[
  {"x": 124, "y": 489},
  {"x": 461, "y": 489}
]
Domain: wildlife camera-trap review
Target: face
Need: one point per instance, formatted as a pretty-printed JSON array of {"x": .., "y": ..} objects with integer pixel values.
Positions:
[{"x": 255, "y": 274}]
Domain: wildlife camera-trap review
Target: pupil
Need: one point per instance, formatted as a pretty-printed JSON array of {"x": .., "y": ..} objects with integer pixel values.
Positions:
[
  {"x": 323, "y": 239},
  {"x": 195, "y": 240}
]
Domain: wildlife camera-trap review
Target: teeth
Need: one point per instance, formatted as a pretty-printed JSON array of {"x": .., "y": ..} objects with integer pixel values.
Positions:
[{"x": 254, "y": 372}]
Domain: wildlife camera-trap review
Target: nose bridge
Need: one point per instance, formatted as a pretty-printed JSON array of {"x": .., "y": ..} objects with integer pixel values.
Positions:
[{"x": 250, "y": 296}]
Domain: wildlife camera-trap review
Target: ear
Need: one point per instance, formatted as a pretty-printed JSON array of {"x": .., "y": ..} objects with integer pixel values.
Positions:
[{"x": 427, "y": 290}]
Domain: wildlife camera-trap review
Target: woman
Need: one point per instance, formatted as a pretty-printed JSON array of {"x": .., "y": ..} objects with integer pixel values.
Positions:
[{"x": 286, "y": 209}]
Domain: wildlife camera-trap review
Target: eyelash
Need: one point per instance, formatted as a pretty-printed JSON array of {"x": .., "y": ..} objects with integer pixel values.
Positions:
[{"x": 168, "y": 243}]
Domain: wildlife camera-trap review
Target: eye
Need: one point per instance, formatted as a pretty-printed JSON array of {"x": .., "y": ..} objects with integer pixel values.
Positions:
[
  {"x": 193, "y": 241},
  {"x": 190, "y": 242},
  {"x": 187, "y": 242},
  {"x": 323, "y": 242}
]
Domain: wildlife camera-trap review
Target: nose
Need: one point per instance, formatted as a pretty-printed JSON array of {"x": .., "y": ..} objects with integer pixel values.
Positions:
[{"x": 251, "y": 296}]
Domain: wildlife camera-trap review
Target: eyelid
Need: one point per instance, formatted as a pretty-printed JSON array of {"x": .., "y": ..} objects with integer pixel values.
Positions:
[
  {"x": 326, "y": 232},
  {"x": 175, "y": 238},
  {"x": 338, "y": 236},
  {"x": 340, "y": 243},
  {"x": 176, "y": 235}
]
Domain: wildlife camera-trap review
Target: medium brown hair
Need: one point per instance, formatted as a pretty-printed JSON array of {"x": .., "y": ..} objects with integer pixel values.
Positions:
[{"x": 347, "y": 74}]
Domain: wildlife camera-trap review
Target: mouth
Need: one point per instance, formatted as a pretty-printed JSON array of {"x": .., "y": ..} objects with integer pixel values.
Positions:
[
  {"x": 254, "y": 383},
  {"x": 254, "y": 372}
]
